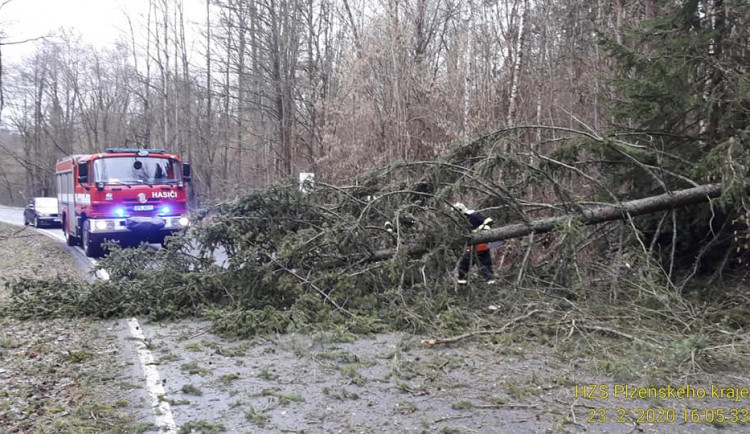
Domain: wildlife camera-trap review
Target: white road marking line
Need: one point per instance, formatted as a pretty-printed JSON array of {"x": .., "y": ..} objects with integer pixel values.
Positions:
[{"x": 162, "y": 410}]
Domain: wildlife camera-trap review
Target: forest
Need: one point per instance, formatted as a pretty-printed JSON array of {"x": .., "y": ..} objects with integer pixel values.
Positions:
[
  {"x": 609, "y": 140},
  {"x": 265, "y": 89}
]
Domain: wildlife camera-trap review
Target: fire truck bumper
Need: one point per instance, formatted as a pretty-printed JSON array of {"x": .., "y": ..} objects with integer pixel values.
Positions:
[{"x": 137, "y": 228}]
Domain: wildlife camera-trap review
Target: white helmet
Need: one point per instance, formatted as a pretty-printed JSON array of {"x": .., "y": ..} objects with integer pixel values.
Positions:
[{"x": 461, "y": 207}]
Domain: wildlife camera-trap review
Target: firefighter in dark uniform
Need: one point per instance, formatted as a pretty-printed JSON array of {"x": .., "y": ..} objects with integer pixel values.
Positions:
[{"x": 478, "y": 254}]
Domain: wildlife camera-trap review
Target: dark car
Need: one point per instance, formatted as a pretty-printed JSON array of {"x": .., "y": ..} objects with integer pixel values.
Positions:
[{"x": 41, "y": 211}]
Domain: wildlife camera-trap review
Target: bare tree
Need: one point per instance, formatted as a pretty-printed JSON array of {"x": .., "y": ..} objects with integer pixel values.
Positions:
[
  {"x": 323, "y": 85},
  {"x": 517, "y": 59}
]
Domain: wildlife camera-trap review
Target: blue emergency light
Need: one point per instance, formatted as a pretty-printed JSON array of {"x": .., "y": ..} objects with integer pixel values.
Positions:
[{"x": 137, "y": 151}]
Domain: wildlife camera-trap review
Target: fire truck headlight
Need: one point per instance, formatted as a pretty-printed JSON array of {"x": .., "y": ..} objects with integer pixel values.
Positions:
[
  {"x": 164, "y": 210},
  {"x": 184, "y": 222},
  {"x": 101, "y": 225},
  {"x": 119, "y": 212}
]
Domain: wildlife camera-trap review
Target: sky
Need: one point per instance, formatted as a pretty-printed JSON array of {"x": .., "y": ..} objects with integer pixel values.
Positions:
[{"x": 100, "y": 22}]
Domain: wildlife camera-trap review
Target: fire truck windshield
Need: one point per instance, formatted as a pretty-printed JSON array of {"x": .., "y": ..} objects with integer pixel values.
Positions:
[{"x": 136, "y": 170}]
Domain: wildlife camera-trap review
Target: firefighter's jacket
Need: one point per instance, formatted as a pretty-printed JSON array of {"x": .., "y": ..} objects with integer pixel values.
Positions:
[{"x": 479, "y": 222}]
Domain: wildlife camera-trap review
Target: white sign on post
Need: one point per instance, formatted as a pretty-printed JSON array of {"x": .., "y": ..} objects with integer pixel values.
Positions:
[{"x": 306, "y": 180}]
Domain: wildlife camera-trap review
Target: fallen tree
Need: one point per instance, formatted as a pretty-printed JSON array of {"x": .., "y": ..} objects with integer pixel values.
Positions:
[
  {"x": 322, "y": 258},
  {"x": 621, "y": 211}
]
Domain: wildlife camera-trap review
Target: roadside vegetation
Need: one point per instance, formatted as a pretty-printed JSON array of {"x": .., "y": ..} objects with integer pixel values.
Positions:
[{"x": 55, "y": 372}]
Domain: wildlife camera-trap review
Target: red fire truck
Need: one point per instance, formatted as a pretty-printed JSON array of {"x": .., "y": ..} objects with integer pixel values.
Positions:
[{"x": 122, "y": 194}]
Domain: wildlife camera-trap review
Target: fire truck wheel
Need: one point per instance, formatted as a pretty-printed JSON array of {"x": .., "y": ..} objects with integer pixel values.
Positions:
[{"x": 91, "y": 245}]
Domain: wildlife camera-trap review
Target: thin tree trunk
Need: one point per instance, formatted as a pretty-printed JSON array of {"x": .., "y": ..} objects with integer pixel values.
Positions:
[
  {"x": 515, "y": 78},
  {"x": 207, "y": 141},
  {"x": 355, "y": 32},
  {"x": 468, "y": 56},
  {"x": 2, "y": 95},
  {"x": 165, "y": 73},
  {"x": 241, "y": 83},
  {"x": 227, "y": 97},
  {"x": 618, "y": 21}
]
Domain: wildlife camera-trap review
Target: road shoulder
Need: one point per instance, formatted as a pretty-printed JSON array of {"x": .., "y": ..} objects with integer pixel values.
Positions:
[{"x": 57, "y": 375}]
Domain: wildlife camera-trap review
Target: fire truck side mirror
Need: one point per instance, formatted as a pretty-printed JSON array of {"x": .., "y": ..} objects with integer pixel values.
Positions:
[
  {"x": 83, "y": 173},
  {"x": 186, "y": 172}
]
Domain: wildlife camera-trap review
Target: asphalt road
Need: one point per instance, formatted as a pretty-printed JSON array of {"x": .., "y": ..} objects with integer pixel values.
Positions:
[{"x": 13, "y": 216}]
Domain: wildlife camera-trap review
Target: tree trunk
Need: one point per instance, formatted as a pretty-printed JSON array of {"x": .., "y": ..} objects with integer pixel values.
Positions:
[
  {"x": 240, "y": 177},
  {"x": 622, "y": 211},
  {"x": 2, "y": 96},
  {"x": 208, "y": 138},
  {"x": 164, "y": 66},
  {"x": 518, "y": 58}
]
